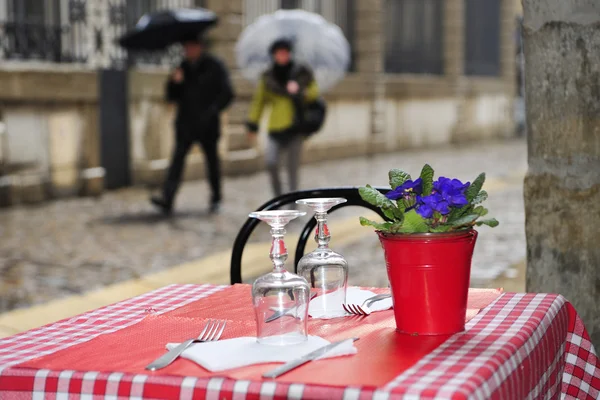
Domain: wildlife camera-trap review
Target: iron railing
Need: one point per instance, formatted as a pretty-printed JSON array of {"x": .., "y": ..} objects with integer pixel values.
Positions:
[
  {"x": 80, "y": 31},
  {"x": 75, "y": 31},
  {"x": 413, "y": 36},
  {"x": 49, "y": 30}
]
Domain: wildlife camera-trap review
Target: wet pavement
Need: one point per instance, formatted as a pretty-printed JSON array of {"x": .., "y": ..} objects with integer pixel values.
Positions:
[{"x": 75, "y": 245}]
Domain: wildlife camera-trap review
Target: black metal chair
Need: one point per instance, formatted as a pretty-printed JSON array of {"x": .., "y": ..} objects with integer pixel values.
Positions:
[{"x": 349, "y": 193}]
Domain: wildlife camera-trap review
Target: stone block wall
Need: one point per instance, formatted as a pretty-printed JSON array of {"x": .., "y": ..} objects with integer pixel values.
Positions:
[{"x": 50, "y": 137}]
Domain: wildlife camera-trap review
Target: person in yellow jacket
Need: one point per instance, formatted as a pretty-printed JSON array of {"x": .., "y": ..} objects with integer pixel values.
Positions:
[{"x": 286, "y": 87}]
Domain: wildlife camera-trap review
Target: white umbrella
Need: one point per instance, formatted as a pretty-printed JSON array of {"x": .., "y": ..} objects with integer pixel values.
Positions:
[{"x": 317, "y": 43}]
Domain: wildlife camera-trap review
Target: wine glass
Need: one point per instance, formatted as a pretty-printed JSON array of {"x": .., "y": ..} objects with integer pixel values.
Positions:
[
  {"x": 280, "y": 292},
  {"x": 325, "y": 270}
]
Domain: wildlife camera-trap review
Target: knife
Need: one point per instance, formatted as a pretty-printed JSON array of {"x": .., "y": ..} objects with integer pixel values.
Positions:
[
  {"x": 280, "y": 313},
  {"x": 287, "y": 367}
]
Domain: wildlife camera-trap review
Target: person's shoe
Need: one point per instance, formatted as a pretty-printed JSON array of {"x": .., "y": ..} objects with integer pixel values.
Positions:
[
  {"x": 165, "y": 206},
  {"x": 215, "y": 207}
]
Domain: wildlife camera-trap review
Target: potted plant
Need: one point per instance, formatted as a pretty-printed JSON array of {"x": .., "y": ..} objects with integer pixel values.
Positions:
[{"x": 428, "y": 241}]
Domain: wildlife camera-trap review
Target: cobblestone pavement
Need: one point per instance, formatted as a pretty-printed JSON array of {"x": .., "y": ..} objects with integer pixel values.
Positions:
[{"x": 71, "y": 246}]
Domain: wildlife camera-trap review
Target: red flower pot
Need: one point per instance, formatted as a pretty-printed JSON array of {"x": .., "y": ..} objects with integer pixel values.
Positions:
[{"x": 429, "y": 276}]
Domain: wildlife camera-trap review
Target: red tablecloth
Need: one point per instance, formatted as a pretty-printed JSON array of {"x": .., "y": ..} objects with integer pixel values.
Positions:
[
  {"x": 382, "y": 353},
  {"x": 522, "y": 346}
]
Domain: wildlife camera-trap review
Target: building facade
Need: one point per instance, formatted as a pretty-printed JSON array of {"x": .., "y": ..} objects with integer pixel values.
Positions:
[{"x": 79, "y": 115}]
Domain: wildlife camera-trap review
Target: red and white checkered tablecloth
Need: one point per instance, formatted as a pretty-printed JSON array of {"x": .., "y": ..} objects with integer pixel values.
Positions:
[{"x": 520, "y": 347}]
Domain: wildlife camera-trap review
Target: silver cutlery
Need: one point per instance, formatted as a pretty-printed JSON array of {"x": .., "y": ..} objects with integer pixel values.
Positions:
[
  {"x": 280, "y": 313},
  {"x": 212, "y": 332},
  {"x": 363, "y": 309},
  {"x": 285, "y": 368}
]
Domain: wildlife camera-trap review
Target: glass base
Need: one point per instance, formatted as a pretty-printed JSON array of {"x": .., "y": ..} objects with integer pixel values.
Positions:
[
  {"x": 281, "y": 293},
  {"x": 327, "y": 275},
  {"x": 280, "y": 298},
  {"x": 283, "y": 340}
]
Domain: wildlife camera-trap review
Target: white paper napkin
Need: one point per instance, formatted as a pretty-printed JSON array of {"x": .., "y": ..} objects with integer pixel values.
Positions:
[
  {"x": 354, "y": 295},
  {"x": 243, "y": 351}
]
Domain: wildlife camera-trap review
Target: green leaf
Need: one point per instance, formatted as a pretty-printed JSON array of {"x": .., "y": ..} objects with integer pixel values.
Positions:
[
  {"x": 457, "y": 213},
  {"x": 373, "y": 196},
  {"x": 396, "y": 227},
  {"x": 403, "y": 203},
  {"x": 414, "y": 223},
  {"x": 480, "y": 198},
  {"x": 492, "y": 222},
  {"x": 397, "y": 177},
  {"x": 380, "y": 226},
  {"x": 427, "y": 178},
  {"x": 480, "y": 210},
  {"x": 393, "y": 213},
  {"x": 468, "y": 219},
  {"x": 378, "y": 199},
  {"x": 475, "y": 187},
  {"x": 441, "y": 228}
]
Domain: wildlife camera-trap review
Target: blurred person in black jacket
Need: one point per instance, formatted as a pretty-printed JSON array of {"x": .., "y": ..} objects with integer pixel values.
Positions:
[{"x": 201, "y": 89}]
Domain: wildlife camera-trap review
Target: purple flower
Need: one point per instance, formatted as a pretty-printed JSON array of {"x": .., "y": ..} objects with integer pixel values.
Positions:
[
  {"x": 458, "y": 200},
  {"x": 447, "y": 184},
  {"x": 431, "y": 204},
  {"x": 452, "y": 191},
  {"x": 406, "y": 190}
]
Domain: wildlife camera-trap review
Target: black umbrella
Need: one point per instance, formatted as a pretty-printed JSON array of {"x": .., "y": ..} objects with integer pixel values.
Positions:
[{"x": 160, "y": 29}]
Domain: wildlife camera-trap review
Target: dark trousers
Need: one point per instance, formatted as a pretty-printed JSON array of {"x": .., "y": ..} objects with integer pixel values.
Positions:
[{"x": 212, "y": 163}]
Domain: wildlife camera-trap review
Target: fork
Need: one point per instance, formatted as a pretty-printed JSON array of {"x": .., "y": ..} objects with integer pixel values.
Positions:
[
  {"x": 212, "y": 332},
  {"x": 363, "y": 309}
]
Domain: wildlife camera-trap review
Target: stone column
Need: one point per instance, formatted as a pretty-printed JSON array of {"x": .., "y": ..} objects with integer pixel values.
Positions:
[
  {"x": 230, "y": 26},
  {"x": 562, "y": 186},
  {"x": 454, "y": 62},
  {"x": 238, "y": 155},
  {"x": 92, "y": 173},
  {"x": 454, "y": 39},
  {"x": 508, "y": 63},
  {"x": 368, "y": 38},
  {"x": 508, "y": 27},
  {"x": 369, "y": 31}
]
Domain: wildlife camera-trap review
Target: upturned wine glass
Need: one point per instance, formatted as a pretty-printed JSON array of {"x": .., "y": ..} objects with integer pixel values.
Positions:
[
  {"x": 280, "y": 298},
  {"x": 325, "y": 270}
]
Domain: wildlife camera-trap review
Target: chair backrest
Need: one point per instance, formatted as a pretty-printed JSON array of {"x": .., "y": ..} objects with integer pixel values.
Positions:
[{"x": 349, "y": 193}]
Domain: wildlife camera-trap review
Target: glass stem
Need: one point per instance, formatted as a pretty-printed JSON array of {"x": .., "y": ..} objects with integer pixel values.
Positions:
[
  {"x": 322, "y": 235},
  {"x": 278, "y": 253}
]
